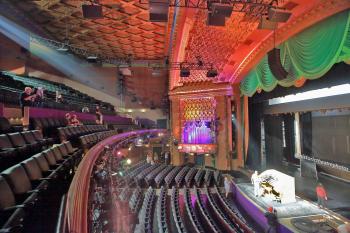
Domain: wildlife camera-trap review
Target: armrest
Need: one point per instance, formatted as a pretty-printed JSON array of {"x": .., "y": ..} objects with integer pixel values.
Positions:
[
  {"x": 12, "y": 208},
  {"x": 33, "y": 191}
]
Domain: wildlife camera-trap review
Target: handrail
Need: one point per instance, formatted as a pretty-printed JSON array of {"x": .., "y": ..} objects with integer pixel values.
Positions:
[{"x": 78, "y": 193}]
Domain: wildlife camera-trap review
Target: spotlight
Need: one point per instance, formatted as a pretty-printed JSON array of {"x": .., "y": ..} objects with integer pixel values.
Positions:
[
  {"x": 63, "y": 49},
  {"x": 128, "y": 161},
  {"x": 212, "y": 73}
]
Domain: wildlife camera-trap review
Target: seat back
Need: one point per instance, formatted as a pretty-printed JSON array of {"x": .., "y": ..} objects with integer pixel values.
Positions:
[
  {"x": 7, "y": 198},
  {"x": 49, "y": 155},
  {"x": 69, "y": 147},
  {"x": 63, "y": 149},
  {"x": 28, "y": 137},
  {"x": 37, "y": 134},
  {"x": 42, "y": 162},
  {"x": 32, "y": 169},
  {"x": 56, "y": 151},
  {"x": 17, "y": 179},
  {"x": 5, "y": 142},
  {"x": 5, "y": 126},
  {"x": 16, "y": 139}
]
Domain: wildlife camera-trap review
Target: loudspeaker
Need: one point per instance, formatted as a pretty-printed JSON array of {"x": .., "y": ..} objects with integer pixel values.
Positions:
[
  {"x": 92, "y": 11},
  {"x": 278, "y": 15},
  {"x": 212, "y": 73},
  {"x": 184, "y": 73},
  {"x": 275, "y": 64},
  {"x": 215, "y": 19},
  {"x": 221, "y": 9},
  {"x": 158, "y": 10},
  {"x": 267, "y": 24}
]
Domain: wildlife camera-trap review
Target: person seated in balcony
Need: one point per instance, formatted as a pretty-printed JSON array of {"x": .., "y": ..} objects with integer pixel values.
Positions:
[
  {"x": 68, "y": 118},
  {"x": 74, "y": 120},
  {"x": 26, "y": 98},
  {"x": 39, "y": 97},
  {"x": 85, "y": 109},
  {"x": 99, "y": 116},
  {"x": 59, "y": 97}
]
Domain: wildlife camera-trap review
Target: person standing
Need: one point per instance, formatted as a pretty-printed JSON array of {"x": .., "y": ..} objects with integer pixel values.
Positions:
[
  {"x": 39, "y": 97},
  {"x": 227, "y": 186},
  {"x": 255, "y": 182},
  {"x": 99, "y": 116},
  {"x": 26, "y": 98},
  {"x": 321, "y": 195},
  {"x": 271, "y": 220}
]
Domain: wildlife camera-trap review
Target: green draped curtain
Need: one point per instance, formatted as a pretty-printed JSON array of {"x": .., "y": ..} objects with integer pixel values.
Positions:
[{"x": 309, "y": 54}]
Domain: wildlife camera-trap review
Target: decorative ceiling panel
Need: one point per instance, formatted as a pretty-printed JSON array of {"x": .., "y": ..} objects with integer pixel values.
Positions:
[{"x": 125, "y": 22}]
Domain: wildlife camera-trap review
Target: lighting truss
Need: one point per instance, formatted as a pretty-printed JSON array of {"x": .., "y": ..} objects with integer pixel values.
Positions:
[
  {"x": 79, "y": 51},
  {"x": 250, "y": 7},
  {"x": 190, "y": 66}
]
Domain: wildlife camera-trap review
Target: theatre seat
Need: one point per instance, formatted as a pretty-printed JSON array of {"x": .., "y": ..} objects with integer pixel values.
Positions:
[
  {"x": 34, "y": 172},
  {"x": 45, "y": 166},
  {"x": 19, "y": 143},
  {"x": 20, "y": 184},
  {"x": 7, "y": 147},
  {"x": 39, "y": 137},
  {"x": 30, "y": 139},
  {"x": 11, "y": 214}
]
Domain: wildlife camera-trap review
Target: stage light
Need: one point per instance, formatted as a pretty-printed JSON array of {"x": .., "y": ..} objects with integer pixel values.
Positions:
[
  {"x": 128, "y": 161},
  {"x": 130, "y": 148},
  {"x": 119, "y": 153},
  {"x": 63, "y": 49}
]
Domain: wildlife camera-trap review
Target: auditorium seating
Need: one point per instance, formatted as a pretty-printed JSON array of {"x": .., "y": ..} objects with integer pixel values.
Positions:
[
  {"x": 136, "y": 200},
  {"x": 170, "y": 177},
  {"x": 195, "y": 203},
  {"x": 161, "y": 208},
  {"x": 6, "y": 127},
  {"x": 224, "y": 221},
  {"x": 146, "y": 213},
  {"x": 181, "y": 176},
  {"x": 189, "y": 178},
  {"x": 193, "y": 219},
  {"x": 160, "y": 177},
  {"x": 12, "y": 85},
  {"x": 175, "y": 211}
]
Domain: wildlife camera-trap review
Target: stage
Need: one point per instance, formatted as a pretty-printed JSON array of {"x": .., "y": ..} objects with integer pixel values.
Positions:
[{"x": 300, "y": 216}]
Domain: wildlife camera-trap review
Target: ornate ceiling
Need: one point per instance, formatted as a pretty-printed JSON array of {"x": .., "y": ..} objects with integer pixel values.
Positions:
[
  {"x": 125, "y": 29},
  {"x": 237, "y": 47}
]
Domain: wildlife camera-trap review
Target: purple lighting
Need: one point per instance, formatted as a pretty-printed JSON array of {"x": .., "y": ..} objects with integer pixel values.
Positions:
[{"x": 197, "y": 132}]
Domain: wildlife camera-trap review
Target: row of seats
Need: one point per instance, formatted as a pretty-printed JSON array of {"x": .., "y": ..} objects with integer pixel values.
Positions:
[
  {"x": 24, "y": 187},
  {"x": 146, "y": 213},
  {"x": 189, "y": 178},
  {"x": 6, "y": 127},
  {"x": 181, "y": 176},
  {"x": 89, "y": 140},
  {"x": 161, "y": 211},
  {"x": 72, "y": 133},
  {"x": 136, "y": 200},
  {"x": 76, "y": 99},
  {"x": 139, "y": 179},
  {"x": 170, "y": 177},
  {"x": 223, "y": 219},
  {"x": 206, "y": 217},
  {"x": 15, "y": 147},
  {"x": 149, "y": 179},
  {"x": 160, "y": 178},
  {"x": 194, "y": 225},
  {"x": 232, "y": 213},
  {"x": 199, "y": 177},
  {"x": 175, "y": 211}
]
